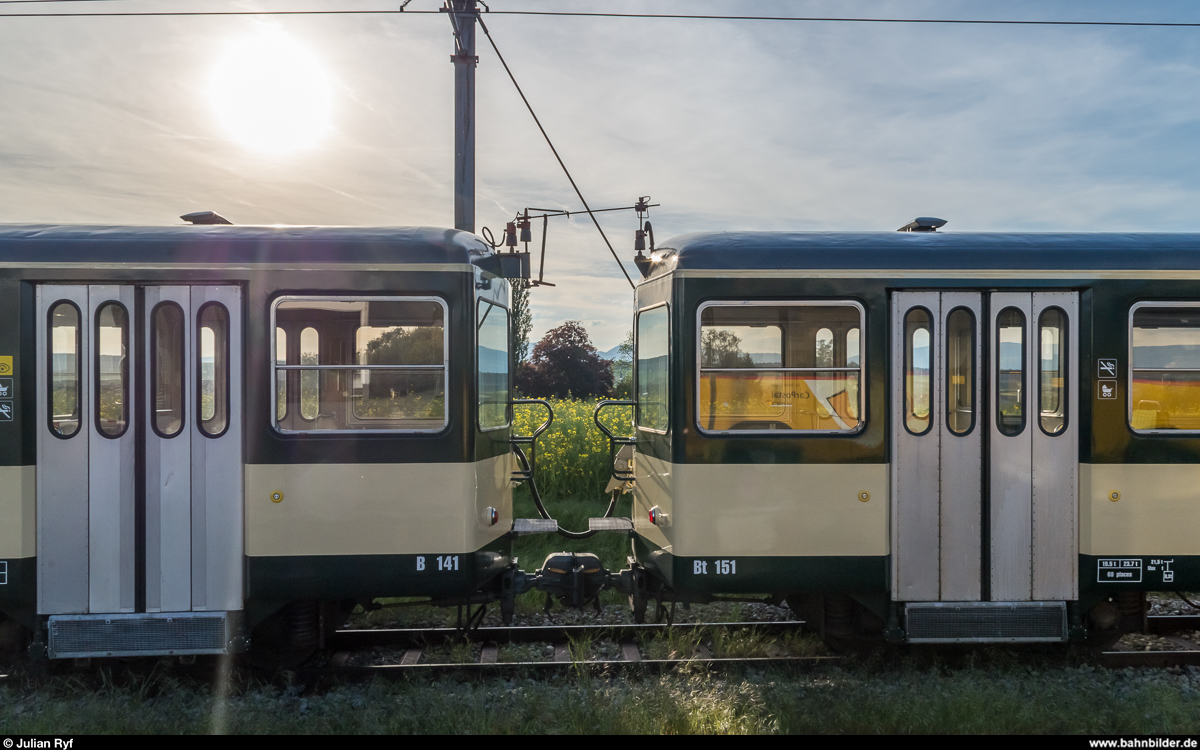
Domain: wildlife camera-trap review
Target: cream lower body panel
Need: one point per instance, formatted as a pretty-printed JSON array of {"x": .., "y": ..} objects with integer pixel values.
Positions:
[
  {"x": 792, "y": 510},
  {"x": 18, "y": 509},
  {"x": 375, "y": 509},
  {"x": 1157, "y": 511}
]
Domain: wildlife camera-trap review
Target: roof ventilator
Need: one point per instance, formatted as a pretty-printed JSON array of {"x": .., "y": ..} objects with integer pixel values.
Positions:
[
  {"x": 923, "y": 224},
  {"x": 205, "y": 217}
]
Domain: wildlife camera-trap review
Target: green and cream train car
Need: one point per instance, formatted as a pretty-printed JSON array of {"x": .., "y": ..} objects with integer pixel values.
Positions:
[
  {"x": 934, "y": 436},
  {"x": 206, "y": 430}
]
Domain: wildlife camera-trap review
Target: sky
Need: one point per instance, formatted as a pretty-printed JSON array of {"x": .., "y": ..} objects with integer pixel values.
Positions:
[{"x": 727, "y": 124}]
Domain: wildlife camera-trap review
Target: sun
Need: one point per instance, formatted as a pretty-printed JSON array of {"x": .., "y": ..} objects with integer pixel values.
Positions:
[{"x": 271, "y": 93}]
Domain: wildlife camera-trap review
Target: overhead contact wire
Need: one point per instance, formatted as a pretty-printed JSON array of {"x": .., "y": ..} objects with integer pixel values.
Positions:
[
  {"x": 567, "y": 172},
  {"x": 590, "y": 14}
]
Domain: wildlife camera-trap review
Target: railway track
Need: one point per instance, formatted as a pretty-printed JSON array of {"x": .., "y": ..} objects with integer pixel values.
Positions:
[
  {"x": 1163, "y": 647},
  {"x": 565, "y": 647},
  {"x": 1170, "y": 641}
]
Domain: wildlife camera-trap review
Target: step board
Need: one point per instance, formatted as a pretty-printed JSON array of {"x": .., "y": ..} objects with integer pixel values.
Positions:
[{"x": 985, "y": 622}]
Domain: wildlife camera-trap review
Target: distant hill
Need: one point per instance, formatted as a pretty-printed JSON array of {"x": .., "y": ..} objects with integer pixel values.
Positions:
[{"x": 611, "y": 353}]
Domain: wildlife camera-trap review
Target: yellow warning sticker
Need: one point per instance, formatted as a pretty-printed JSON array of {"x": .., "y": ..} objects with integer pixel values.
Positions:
[{"x": 6, "y": 366}]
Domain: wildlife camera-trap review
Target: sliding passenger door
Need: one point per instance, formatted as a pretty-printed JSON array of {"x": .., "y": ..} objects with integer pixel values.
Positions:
[
  {"x": 1033, "y": 454},
  {"x": 937, "y": 446},
  {"x": 86, "y": 450},
  {"x": 984, "y": 480},
  {"x": 139, "y": 469},
  {"x": 193, "y": 502}
]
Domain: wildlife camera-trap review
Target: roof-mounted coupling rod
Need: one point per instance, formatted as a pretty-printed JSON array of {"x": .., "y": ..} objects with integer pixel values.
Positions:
[
  {"x": 923, "y": 224},
  {"x": 206, "y": 217}
]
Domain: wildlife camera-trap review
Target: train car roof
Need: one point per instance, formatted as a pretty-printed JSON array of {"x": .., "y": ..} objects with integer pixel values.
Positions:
[
  {"x": 190, "y": 244},
  {"x": 768, "y": 251}
]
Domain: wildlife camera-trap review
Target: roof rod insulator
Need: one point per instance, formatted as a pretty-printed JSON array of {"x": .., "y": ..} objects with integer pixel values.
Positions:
[
  {"x": 206, "y": 217},
  {"x": 923, "y": 224}
]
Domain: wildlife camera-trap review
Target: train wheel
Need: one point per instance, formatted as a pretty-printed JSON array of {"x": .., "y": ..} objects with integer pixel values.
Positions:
[
  {"x": 287, "y": 638},
  {"x": 14, "y": 638},
  {"x": 843, "y": 624}
]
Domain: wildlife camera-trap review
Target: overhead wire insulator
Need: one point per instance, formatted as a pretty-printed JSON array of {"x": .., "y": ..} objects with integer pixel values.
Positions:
[{"x": 510, "y": 236}]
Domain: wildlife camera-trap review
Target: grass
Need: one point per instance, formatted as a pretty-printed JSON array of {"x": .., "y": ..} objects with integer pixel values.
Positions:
[{"x": 901, "y": 697}]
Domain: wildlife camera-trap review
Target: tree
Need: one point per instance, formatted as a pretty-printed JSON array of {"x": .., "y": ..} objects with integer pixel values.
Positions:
[
  {"x": 721, "y": 348},
  {"x": 564, "y": 363},
  {"x": 623, "y": 369},
  {"x": 522, "y": 320}
]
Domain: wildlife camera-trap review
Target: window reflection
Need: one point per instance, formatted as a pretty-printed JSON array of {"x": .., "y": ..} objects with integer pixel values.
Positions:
[
  {"x": 112, "y": 369},
  {"x": 1052, "y": 371},
  {"x": 492, "y": 360},
  {"x": 64, "y": 369},
  {"x": 214, "y": 369},
  {"x": 1010, "y": 373},
  {"x": 960, "y": 371},
  {"x": 917, "y": 336},
  {"x": 1165, "y": 383},
  {"x": 166, "y": 373},
  {"x": 356, "y": 364},
  {"x": 778, "y": 367}
]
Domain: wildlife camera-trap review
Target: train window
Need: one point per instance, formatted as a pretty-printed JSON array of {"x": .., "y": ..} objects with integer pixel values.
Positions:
[
  {"x": 112, "y": 369},
  {"x": 166, "y": 371},
  {"x": 1052, "y": 407},
  {"x": 1010, "y": 371},
  {"x": 281, "y": 399},
  {"x": 213, "y": 365},
  {"x": 918, "y": 407},
  {"x": 492, "y": 360},
  {"x": 64, "y": 369},
  {"x": 310, "y": 380},
  {"x": 653, "y": 354},
  {"x": 361, "y": 364},
  {"x": 960, "y": 371},
  {"x": 766, "y": 366},
  {"x": 1164, "y": 390}
]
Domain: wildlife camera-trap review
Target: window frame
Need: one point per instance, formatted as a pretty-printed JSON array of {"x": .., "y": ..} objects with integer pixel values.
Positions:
[
  {"x": 80, "y": 367},
  {"x": 219, "y": 405},
  {"x": 152, "y": 338},
  {"x": 1064, "y": 353},
  {"x": 316, "y": 433},
  {"x": 1129, "y": 370},
  {"x": 861, "y": 369},
  {"x": 1025, "y": 329},
  {"x": 97, "y": 389},
  {"x": 508, "y": 409},
  {"x": 637, "y": 348},
  {"x": 972, "y": 387},
  {"x": 909, "y": 390}
]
